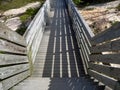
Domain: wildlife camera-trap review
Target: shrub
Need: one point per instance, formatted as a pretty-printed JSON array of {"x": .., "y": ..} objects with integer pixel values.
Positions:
[
  {"x": 77, "y": 2},
  {"x": 29, "y": 14},
  {"x": 118, "y": 7}
]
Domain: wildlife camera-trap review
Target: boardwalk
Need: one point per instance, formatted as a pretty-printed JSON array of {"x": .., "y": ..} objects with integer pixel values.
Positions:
[
  {"x": 58, "y": 54},
  {"x": 58, "y": 64}
]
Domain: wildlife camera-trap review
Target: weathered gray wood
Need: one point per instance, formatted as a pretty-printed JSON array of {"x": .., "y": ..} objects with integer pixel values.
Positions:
[
  {"x": 84, "y": 36},
  {"x": 6, "y": 46},
  {"x": 106, "y": 58},
  {"x": 12, "y": 70},
  {"x": 36, "y": 42},
  {"x": 111, "y": 33},
  {"x": 1, "y": 87},
  {"x": 111, "y": 46},
  {"x": 10, "y": 82},
  {"x": 34, "y": 32},
  {"x": 112, "y": 83},
  {"x": 84, "y": 63},
  {"x": 107, "y": 70},
  {"x": 83, "y": 32},
  {"x": 88, "y": 34},
  {"x": 6, "y": 59},
  {"x": 10, "y": 35},
  {"x": 73, "y": 11}
]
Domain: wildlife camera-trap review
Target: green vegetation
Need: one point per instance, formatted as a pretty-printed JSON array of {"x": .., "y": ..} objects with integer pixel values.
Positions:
[
  {"x": 28, "y": 15},
  {"x": 77, "y": 2},
  {"x": 10, "y": 4},
  {"x": 118, "y": 7},
  {"x": 89, "y": 2},
  {"x": 114, "y": 23}
]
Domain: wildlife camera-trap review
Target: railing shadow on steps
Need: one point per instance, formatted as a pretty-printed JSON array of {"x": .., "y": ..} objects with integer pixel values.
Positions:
[
  {"x": 100, "y": 53},
  {"x": 34, "y": 32}
]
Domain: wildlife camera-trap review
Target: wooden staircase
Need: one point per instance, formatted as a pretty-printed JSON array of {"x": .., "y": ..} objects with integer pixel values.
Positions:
[
  {"x": 58, "y": 64},
  {"x": 37, "y": 83},
  {"x": 59, "y": 52}
]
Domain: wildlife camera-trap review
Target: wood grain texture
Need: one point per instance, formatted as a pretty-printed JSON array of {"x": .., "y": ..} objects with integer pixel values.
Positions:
[
  {"x": 110, "y": 46},
  {"x": 12, "y": 70},
  {"x": 8, "y": 83},
  {"x": 111, "y": 33},
  {"x": 10, "y": 35},
  {"x": 1, "y": 87},
  {"x": 112, "y": 83},
  {"x": 6, "y": 46},
  {"x": 107, "y": 70},
  {"x": 6, "y": 59},
  {"x": 106, "y": 58}
]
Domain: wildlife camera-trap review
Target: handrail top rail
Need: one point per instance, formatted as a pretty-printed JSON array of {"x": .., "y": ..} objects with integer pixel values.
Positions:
[
  {"x": 32, "y": 22},
  {"x": 95, "y": 39},
  {"x": 90, "y": 32}
]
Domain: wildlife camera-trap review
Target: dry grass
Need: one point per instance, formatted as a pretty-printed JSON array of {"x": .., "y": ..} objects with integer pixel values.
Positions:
[{"x": 11, "y": 4}]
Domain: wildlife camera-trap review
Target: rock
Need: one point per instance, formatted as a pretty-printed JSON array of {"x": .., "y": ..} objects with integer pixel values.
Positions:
[
  {"x": 13, "y": 23},
  {"x": 101, "y": 16},
  {"x": 111, "y": 4},
  {"x": 18, "y": 11}
]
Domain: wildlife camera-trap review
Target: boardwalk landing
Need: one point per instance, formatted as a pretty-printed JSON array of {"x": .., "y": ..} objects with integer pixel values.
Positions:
[{"x": 58, "y": 64}]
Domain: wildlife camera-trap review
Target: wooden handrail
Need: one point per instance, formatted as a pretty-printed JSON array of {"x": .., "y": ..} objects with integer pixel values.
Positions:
[
  {"x": 14, "y": 64},
  {"x": 17, "y": 53},
  {"x": 33, "y": 34},
  {"x": 99, "y": 53}
]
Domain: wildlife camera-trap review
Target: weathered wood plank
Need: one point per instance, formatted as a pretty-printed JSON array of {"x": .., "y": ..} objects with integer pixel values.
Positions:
[
  {"x": 10, "y": 82},
  {"x": 6, "y": 59},
  {"x": 107, "y": 70},
  {"x": 106, "y": 58},
  {"x": 112, "y": 83},
  {"x": 87, "y": 32},
  {"x": 10, "y": 35},
  {"x": 111, "y": 46},
  {"x": 109, "y": 34},
  {"x": 34, "y": 26},
  {"x": 34, "y": 32},
  {"x": 36, "y": 43},
  {"x": 6, "y": 46},
  {"x": 1, "y": 88},
  {"x": 12, "y": 70},
  {"x": 81, "y": 20}
]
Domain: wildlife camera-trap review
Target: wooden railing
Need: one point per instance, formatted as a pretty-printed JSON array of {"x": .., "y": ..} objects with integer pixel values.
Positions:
[
  {"x": 34, "y": 32},
  {"x": 100, "y": 53},
  {"x": 105, "y": 57},
  {"x": 17, "y": 53},
  {"x": 82, "y": 31},
  {"x": 14, "y": 66}
]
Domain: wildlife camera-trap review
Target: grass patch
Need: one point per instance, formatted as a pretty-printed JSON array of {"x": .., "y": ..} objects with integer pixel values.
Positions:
[
  {"x": 11, "y": 4},
  {"x": 28, "y": 15},
  {"x": 114, "y": 23},
  {"x": 77, "y": 2},
  {"x": 24, "y": 17}
]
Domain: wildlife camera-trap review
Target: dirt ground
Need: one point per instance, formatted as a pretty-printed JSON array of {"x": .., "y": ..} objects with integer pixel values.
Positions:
[{"x": 101, "y": 16}]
